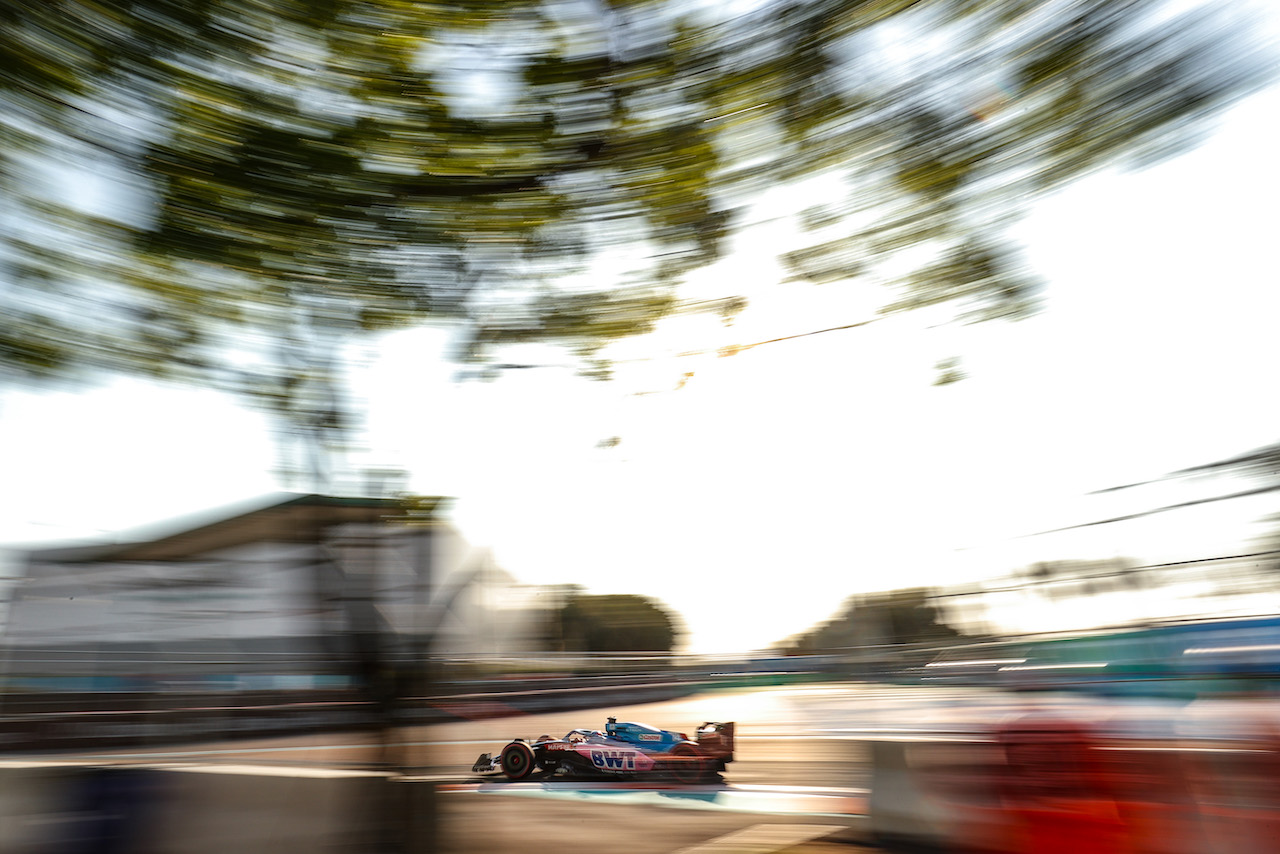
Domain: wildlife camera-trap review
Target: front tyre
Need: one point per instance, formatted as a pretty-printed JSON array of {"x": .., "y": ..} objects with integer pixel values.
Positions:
[{"x": 517, "y": 760}]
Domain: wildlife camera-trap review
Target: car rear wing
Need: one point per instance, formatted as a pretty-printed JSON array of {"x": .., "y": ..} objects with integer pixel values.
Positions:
[{"x": 716, "y": 740}]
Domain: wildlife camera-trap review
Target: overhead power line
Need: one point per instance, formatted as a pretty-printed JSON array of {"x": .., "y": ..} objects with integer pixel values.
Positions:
[
  {"x": 1179, "y": 506},
  {"x": 1099, "y": 576}
]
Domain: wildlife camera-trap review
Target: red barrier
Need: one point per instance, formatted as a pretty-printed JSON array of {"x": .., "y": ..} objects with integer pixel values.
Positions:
[
  {"x": 1057, "y": 790},
  {"x": 1237, "y": 786}
]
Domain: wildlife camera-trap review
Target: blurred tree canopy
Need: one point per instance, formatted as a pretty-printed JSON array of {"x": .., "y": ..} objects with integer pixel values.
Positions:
[
  {"x": 909, "y": 616},
  {"x": 611, "y": 623},
  {"x": 224, "y": 191}
]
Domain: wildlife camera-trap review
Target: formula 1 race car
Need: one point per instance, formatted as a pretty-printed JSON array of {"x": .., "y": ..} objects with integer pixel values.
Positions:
[{"x": 622, "y": 750}]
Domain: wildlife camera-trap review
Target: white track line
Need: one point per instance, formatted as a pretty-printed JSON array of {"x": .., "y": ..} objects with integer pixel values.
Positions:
[{"x": 831, "y": 803}]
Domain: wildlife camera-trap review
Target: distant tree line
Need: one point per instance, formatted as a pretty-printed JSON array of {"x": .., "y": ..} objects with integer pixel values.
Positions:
[
  {"x": 909, "y": 616},
  {"x": 621, "y": 623}
]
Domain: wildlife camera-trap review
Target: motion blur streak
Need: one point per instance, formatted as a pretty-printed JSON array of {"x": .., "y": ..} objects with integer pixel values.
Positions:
[
  {"x": 238, "y": 194},
  {"x": 1070, "y": 776},
  {"x": 224, "y": 192}
]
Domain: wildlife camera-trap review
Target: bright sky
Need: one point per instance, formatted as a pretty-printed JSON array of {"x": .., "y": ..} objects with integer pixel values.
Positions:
[{"x": 777, "y": 482}]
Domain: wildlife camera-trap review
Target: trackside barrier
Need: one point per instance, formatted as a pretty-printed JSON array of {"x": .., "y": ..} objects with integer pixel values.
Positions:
[
  {"x": 1057, "y": 792},
  {"x": 939, "y": 794},
  {"x": 63, "y": 809},
  {"x": 900, "y": 811},
  {"x": 46, "y": 723},
  {"x": 1051, "y": 784},
  {"x": 1239, "y": 794}
]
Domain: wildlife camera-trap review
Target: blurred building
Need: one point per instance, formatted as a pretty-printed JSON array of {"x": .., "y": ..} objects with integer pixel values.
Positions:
[{"x": 294, "y": 592}]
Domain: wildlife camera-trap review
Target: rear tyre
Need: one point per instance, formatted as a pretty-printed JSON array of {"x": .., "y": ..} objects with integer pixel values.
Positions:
[
  {"x": 687, "y": 764},
  {"x": 517, "y": 760}
]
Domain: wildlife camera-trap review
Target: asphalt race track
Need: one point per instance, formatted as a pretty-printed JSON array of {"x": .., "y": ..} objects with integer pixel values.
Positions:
[{"x": 793, "y": 783}]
